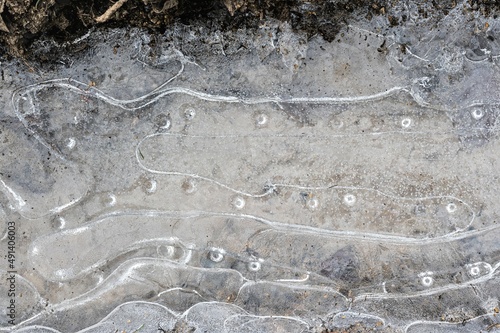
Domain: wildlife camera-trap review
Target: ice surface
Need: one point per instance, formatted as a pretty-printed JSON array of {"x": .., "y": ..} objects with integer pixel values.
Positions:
[{"x": 191, "y": 184}]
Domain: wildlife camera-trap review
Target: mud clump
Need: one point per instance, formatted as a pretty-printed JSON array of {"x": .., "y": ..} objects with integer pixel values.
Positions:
[{"x": 22, "y": 22}]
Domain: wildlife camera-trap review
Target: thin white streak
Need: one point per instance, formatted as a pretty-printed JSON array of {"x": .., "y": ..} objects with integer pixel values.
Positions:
[{"x": 20, "y": 202}]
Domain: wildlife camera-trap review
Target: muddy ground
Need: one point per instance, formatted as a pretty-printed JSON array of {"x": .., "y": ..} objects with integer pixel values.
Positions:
[{"x": 22, "y": 22}]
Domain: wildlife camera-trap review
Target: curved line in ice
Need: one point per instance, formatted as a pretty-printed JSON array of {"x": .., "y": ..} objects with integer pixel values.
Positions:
[
  {"x": 440, "y": 323},
  {"x": 431, "y": 291},
  {"x": 375, "y": 237}
]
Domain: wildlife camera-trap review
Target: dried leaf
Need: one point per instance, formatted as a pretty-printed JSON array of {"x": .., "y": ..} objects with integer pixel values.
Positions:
[
  {"x": 170, "y": 4},
  {"x": 233, "y": 5},
  {"x": 3, "y": 27}
]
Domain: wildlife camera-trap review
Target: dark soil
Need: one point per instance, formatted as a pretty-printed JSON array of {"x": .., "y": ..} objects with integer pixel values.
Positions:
[{"x": 24, "y": 21}]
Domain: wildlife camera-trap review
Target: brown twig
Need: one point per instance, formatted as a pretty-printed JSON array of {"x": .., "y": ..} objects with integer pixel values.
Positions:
[
  {"x": 111, "y": 10},
  {"x": 492, "y": 326}
]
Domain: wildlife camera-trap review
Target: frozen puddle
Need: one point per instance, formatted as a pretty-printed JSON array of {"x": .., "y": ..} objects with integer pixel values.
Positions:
[{"x": 151, "y": 190}]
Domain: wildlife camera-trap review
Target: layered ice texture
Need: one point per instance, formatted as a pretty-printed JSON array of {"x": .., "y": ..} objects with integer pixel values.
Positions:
[{"x": 258, "y": 182}]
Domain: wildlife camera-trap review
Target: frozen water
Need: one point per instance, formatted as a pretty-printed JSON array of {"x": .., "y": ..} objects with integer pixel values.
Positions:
[{"x": 284, "y": 186}]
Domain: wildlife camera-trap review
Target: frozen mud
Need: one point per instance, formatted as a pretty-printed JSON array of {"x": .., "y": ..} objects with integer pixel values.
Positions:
[{"x": 201, "y": 182}]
